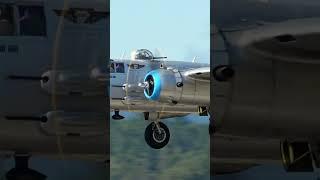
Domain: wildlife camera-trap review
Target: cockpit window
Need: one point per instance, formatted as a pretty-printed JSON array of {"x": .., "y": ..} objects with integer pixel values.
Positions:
[
  {"x": 117, "y": 68},
  {"x": 32, "y": 21},
  {"x": 6, "y": 20}
]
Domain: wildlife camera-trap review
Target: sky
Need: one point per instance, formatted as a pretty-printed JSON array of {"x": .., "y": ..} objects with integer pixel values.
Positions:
[{"x": 178, "y": 29}]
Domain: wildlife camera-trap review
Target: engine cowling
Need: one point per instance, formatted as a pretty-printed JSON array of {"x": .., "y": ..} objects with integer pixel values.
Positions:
[{"x": 173, "y": 86}]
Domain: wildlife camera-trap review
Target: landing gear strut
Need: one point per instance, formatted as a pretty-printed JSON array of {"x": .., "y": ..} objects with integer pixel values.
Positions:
[
  {"x": 22, "y": 171},
  {"x": 157, "y": 135},
  {"x": 117, "y": 115}
]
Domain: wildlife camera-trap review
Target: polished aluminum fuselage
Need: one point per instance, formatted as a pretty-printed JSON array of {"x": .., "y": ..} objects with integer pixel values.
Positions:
[{"x": 134, "y": 100}]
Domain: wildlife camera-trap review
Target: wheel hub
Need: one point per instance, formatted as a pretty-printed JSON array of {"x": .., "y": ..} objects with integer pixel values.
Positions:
[{"x": 159, "y": 137}]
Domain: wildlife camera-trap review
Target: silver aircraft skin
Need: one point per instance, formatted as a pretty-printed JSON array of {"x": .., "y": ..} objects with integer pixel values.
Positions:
[
  {"x": 134, "y": 73},
  {"x": 176, "y": 88},
  {"x": 266, "y": 110}
]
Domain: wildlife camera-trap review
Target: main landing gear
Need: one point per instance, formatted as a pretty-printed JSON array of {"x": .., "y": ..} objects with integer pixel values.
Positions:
[
  {"x": 298, "y": 156},
  {"x": 157, "y": 135}
]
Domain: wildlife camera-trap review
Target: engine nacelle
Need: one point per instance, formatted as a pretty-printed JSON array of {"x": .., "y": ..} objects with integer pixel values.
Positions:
[{"x": 173, "y": 86}]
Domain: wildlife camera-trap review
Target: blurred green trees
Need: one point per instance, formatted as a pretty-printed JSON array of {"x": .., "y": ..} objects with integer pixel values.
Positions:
[{"x": 185, "y": 157}]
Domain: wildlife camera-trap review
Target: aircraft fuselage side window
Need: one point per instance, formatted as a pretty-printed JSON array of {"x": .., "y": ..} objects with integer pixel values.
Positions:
[
  {"x": 117, "y": 68},
  {"x": 6, "y": 20},
  {"x": 32, "y": 21}
]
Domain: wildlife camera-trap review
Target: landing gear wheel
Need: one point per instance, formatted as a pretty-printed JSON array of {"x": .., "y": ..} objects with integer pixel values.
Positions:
[
  {"x": 155, "y": 138},
  {"x": 296, "y": 156}
]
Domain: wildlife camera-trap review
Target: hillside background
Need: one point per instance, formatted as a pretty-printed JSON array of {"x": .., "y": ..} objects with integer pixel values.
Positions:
[{"x": 185, "y": 157}]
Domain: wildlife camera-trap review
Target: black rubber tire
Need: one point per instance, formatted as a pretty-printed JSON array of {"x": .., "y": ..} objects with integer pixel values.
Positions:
[{"x": 148, "y": 136}]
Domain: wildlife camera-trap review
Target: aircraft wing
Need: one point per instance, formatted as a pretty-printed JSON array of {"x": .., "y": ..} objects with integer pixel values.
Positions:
[{"x": 199, "y": 74}]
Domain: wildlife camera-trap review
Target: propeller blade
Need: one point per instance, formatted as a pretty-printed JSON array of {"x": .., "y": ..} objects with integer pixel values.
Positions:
[{"x": 148, "y": 91}]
